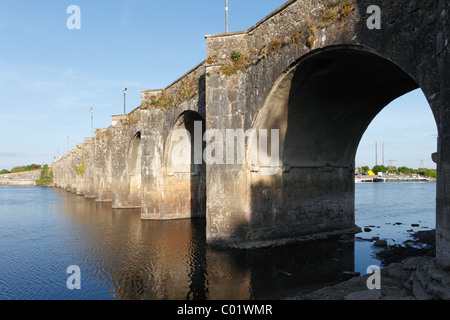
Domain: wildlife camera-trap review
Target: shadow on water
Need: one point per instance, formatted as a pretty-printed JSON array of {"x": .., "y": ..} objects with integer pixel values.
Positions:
[
  {"x": 273, "y": 272},
  {"x": 141, "y": 259}
]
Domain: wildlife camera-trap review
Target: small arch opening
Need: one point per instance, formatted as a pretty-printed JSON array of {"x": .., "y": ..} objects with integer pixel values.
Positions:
[{"x": 135, "y": 169}]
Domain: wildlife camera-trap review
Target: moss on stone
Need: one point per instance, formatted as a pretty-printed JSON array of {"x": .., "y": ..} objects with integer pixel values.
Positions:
[{"x": 81, "y": 169}]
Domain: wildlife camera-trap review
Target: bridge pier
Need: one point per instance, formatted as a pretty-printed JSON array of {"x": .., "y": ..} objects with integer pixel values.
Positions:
[
  {"x": 443, "y": 193},
  {"x": 102, "y": 165},
  {"x": 173, "y": 184}
]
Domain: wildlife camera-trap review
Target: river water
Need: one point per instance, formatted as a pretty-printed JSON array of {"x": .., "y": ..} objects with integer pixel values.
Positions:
[{"x": 43, "y": 231}]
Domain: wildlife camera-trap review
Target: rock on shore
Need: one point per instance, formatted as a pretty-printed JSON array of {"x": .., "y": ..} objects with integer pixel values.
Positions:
[
  {"x": 416, "y": 278},
  {"x": 411, "y": 273}
]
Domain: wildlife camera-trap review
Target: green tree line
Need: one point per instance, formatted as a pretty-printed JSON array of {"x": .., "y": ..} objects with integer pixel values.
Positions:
[
  {"x": 46, "y": 176},
  {"x": 400, "y": 170},
  {"x": 30, "y": 167}
]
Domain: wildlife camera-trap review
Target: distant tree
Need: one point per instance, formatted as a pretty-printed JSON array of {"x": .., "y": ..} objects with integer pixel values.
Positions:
[
  {"x": 392, "y": 169},
  {"x": 365, "y": 169},
  {"x": 432, "y": 173},
  {"x": 405, "y": 170},
  {"x": 46, "y": 175},
  {"x": 379, "y": 168},
  {"x": 427, "y": 172},
  {"x": 26, "y": 168},
  {"x": 4, "y": 171}
]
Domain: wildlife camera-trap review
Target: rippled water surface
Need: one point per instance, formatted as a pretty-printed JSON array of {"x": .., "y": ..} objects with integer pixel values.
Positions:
[{"x": 43, "y": 231}]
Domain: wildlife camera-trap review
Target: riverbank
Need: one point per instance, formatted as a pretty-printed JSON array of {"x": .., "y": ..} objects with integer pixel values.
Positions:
[
  {"x": 27, "y": 178},
  {"x": 412, "y": 273},
  {"x": 392, "y": 178},
  {"x": 17, "y": 183}
]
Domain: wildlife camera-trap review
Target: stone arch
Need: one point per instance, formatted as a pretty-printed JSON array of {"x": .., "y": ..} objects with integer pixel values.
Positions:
[
  {"x": 322, "y": 105},
  {"x": 327, "y": 77},
  {"x": 182, "y": 138},
  {"x": 185, "y": 170},
  {"x": 135, "y": 155}
]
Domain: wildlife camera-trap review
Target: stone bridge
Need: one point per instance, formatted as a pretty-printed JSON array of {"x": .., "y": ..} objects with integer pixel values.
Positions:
[{"x": 318, "y": 71}]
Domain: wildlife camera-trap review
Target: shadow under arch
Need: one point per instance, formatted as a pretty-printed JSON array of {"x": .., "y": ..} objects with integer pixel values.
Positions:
[
  {"x": 134, "y": 168},
  {"x": 185, "y": 174},
  {"x": 321, "y": 105}
]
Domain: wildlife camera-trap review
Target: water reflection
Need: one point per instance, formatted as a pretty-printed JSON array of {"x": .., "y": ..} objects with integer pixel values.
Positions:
[
  {"x": 142, "y": 259},
  {"x": 45, "y": 230},
  {"x": 137, "y": 259}
]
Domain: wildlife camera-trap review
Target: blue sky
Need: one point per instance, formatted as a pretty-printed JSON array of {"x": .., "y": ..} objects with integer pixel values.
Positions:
[
  {"x": 51, "y": 76},
  {"x": 409, "y": 132}
]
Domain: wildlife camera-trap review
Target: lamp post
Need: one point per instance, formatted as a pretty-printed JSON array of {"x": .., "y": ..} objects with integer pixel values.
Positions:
[
  {"x": 226, "y": 16},
  {"x": 92, "y": 122},
  {"x": 124, "y": 99}
]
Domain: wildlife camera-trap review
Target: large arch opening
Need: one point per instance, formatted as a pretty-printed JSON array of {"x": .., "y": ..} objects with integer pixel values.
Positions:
[
  {"x": 321, "y": 106},
  {"x": 396, "y": 147},
  {"x": 185, "y": 168}
]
